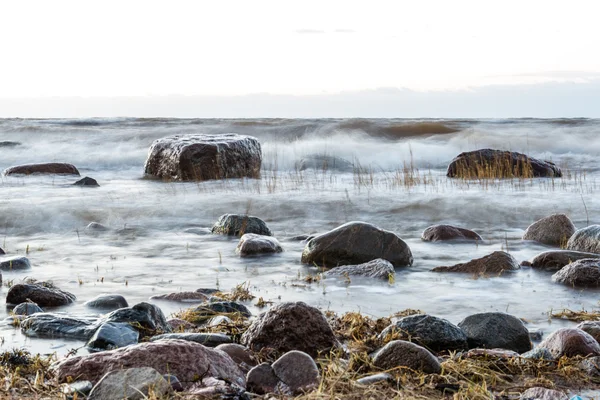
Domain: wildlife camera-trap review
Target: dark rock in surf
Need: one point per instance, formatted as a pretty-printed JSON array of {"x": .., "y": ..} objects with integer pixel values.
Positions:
[
  {"x": 107, "y": 302},
  {"x": 252, "y": 244},
  {"x": 378, "y": 268},
  {"x": 206, "y": 339},
  {"x": 554, "y": 230},
  {"x": 554, "y": 260},
  {"x": 238, "y": 225},
  {"x": 113, "y": 335},
  {"x": 50, "y": 325},
  {"x": 399, "y": 353},
  {"x": 27, "y": 309},
  {"x": 495, "y": 330},
  {"x": 436, "y": 233},
  {"x": 2, "y": 251},
  {"x": 87, "y": 181},
  {"x": 356, "y": 243},
  {"x": 148, "y": 317},
  {"x": 14, "y": 263},
  {"x": 570, "y": 342},
  {"x": 489, "y": 163},
  {"x": 9, "y": 144},
  {"x": 433, "y": 333},
  {"x": 583, "y": 273},
  {"x": 495, "y": 263},
  {"x": 322, "y": 162},
  {"x": 47, "y": 168},
  {"x": 586, "y": 239},
  {"x": 41, "y": 295},
  {"x": 200, "y": 157}
]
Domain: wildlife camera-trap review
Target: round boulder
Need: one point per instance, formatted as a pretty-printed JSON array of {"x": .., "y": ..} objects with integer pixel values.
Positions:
[
  {"x": 399, "y": 353},
  {"x": 238, "y": 225},
  {"x": 570, "y": 342},
  {"x": 586, "y": 239},
  {"x": 436, "y": 233},
  {"x": 356, "y": 243},
  {"x": 45, "y": 168},
  {"x": 584, "y": 272},
  {"x": 41, "y": 295},
  {"x": 495, "y": 330},
  {"x": 554, "y": 230},
  {"x": 297, "y": 370},
  {"x": 554, "y": 260},
  {"x": 495, "y": 263},
  {"x": 252, "y": 244}
]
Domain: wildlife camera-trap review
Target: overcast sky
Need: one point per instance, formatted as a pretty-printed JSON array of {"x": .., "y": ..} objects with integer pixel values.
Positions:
[{"x": 109, "y": 58}]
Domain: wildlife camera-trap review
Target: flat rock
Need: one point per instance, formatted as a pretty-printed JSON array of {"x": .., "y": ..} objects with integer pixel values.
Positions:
[
  {"x": 14, "y": 263},
  {"x": 239, "y": 225},
  {"x": 495, "y": 330},
  {"x": 378, "y": 269},
  {"x": 252, "y": 244},
  {"x": 107, "y": 302},
  {"x": 291, "y": 326},
  {"x": 297, "y": 370},
  {"x": 26, "y": 309},
  {"x": 399, "y": 353},
  {"x": 582, "y": 273},
  {"x": 87, "y": 181},
  {"x": 489, "y": 163},
  {"x": 571, "y": 342},
  {"x": 41, "y": 295},
  {"x": 436, "y": 233},
  {"x": 113, "y": 335},
  {"x": 356, "y": 243},
  {"x": 554, "y": 260},
  {"x": 183, "y": 297},
  {"x": 585, "y": 239},
  {"x": 553, "y": 230},
  {"x": 495, "y": 263},
  {"x": 45, "y": 168},
  {"x": 184, "y": 359},
  {"x": 50, "y": 325},
  {"x": 131, "y": 384},
  {"x": 200, "y": 157},
  {"x": 540, "y": 393},
  {"x": 590, "y": 327},
  {"x": 148, "y": 318},
  {"x": 207, "y": 339},
  {"x": 433, "y": 333}
]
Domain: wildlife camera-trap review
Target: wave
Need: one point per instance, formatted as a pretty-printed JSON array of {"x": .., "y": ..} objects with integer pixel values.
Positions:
[{"x": 399, "y": 130}]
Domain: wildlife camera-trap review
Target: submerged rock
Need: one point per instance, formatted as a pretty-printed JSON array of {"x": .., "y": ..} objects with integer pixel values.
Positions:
[
  {"x": 148, "y": 317},
  {"x": 378, "y": 268},
  {"x": 107, "y": 302},
  {"x": 584, "y": 272},
  {"x": 7, "y": 143},
  {"x": 252, "y": 244},
  {"x": 554, "y": 260},
  {"x": 586, "y": 239},
  {"x": 113, "y": 335},
  {"x": 436, "y": 233},
  {"x": 323, "y": 162},
  {"x": 39, "y": 294},
  {"x": 131, "y": 384},
  {"x": 14, "y": 263},
  {"x": 238, "y": 225},
  {"x": 46, "y": 168},
  {"x": 291, "y": 326},
  {"x": 50, "y": 325},
  {"x": 570, "y": 342},
  {"x": 27, "y": 309},
  {"x": 554, "y": 230},
  {"x": 433, "y": 333},
  {"x": 495, "y": 330},
  {"x": 356, "y": 243},
  {"x": 495, "y": 263},
  {"x": 399, "y": 353},
  {"x": 207, "y": 339},
  {"x": 200, "y": 157},
  {"x": 87, "y": 181},
  {"x": 489, "y": 163}
]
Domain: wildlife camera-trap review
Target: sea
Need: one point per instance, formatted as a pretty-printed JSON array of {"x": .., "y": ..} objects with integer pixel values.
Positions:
[{"x": 316, "y": 175}]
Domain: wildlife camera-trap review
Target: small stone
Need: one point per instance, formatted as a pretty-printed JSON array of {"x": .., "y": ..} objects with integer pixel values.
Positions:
[
  {"x": 174, "y": 382},
  {"x": 81, "y": 388},
  {"x": 586, "y": 239},
  {"x": 556, "y": 259},
  {"x": 239, "y": 225},
  {"x": 220, "y": 320},
  {"x": 183, "y": 297},
  {"x": 571, "y": 342},
  {"x": 554, "y": 230},
  {"x": 50, "y": 325},
  {"x": 261, "y": 379},
  {"x": 87, "y": 181},
  {"x": 591, "y": 366},
  {"x": 107, "y": 302},
  {"x": 240, "y": 354},
  {"x": 14, "y": 263},
  {"x": 538, "y": 353},
  {"x": 582, "y": 273},
  {"x": 378, "y": 269},
  {"x": 209, "y": 309},
  {"x": 436, "y": 233},
  {"x": 399, "y": 353},
  {"x": 27, "y": 309},
  {"x": 252, "y": 244},
  {"x": 590, "y": 327},
  {"x": 131, "y": 384},
  {"x": 146, "y": 316},
  {"x": 41, "y": 295},
  {"x": 113, "y": 335},
  {"x": 498, "y": 354},
  {"x": 297, "y": 370},
  {"x": 96, "y": 227},
  {"x": 180, "y": 325},
  {"x": 45, "y": 168}
]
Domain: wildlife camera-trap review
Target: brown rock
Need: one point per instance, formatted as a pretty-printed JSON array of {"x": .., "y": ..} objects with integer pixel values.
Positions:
[
  {"x": 379, "y": 269},
  {"x": 570, "y": 342},
  {"x": 540, "y": 393},
  {"x": 186, "y": 360},
  {"x": 436, "y": 233},
  {"x": 41, "y": 295},
  {"x": 252, "y": 244},
  {"x": 200, "y": 157},
  {"x": 184, "y": 297},
  {"x": 291, "y": 326},
  {"x": 399, "y": 353},
  {"x": 47, "y": 168},
  {"x": 554, "y": 260},
  {"x": 356, "y": 243},
  {"x": 554, "y": 230},
  {"x": 240, "y": 354},
  {"x": 297, "y": 370},
  {"x": 584, "y": 272},
  {"x": 495, "y": 263}
]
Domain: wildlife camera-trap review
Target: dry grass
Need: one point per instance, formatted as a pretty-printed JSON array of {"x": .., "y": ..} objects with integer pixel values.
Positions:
[{"x": 577, "y": 316}]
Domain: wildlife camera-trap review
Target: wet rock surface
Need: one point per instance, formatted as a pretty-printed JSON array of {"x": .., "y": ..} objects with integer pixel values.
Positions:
[
  {"x": 399, "y": 353},
  {"x": 436, "y": 233},
  {"x": 584, "y": 273},
  {"x": 585, "y": 239},
  {"x": 113, "y": 335},
  {"x": 44, "y": 168},
  {"x": 239, "y": 225},
  {"x": 51, "y": 325},
  {"x": 131, "y": 384},
  {"x": 41, "y": 295},
  {"x": 147, "y": 317},
  {"x": 496, "y": 330},
  {"x": 107, "y": 302},
  {"x": 252, "y": 244},
  {"x": 553, "y": 230},
  {"x": 200, "y": 157},
  {"x": 570, "y": 342},
  {"x": 495, "y": 263},
  {"x": 356, "y": 243},
  {"x": 378, "y": 269},
  {"x": 554, "y": 260}
]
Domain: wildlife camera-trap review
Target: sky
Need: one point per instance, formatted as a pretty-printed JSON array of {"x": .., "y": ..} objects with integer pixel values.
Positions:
[{"x": 76, "y": 58}]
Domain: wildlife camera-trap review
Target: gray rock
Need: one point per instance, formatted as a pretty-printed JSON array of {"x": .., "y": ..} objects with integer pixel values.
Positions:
[
  {"x": 496, "y": 263},
  {"x": 570, "y": 342},
  {"x": 148, "y": 318},
  {"x": 297, "y": 370},
  {"x": 38, "y": 293},
  {"x": 201, "y": 157},
  {"x": 590, "y": 327},
  {"x": 252, "y": 244},
  {"x": 131, "y": 384},
  {"x": 540, "y": 393},
  {"x": 399, "y": 353},
  {"x": 291, "y": 326},
  {"x": 554, "y": 260},
  {"x": 554, "y": 230},
  {"x": 107, "y": 302},
  {"x": 378, "y": 268},
  {"x": 207, "y": 339},
  {"x": 239, "y": 225},
  {"x": 495, "y": 330},
  {"x": 87, "y": 181},
  {"x": 14, "y": 263},
  {"x": 436, "y": 233},
  {"x": 433, "y": 333},
  {"x": 584, "y": 272},
  {"x": 49, "y": 325},
  {"x": 586, "y": 239},
  {"x": 356, "y": 243},
  {"x": 262, "y": 379},
  {"x": 27, "y": 309},
  {"x": 174, "y": 382},
  {"x": 46, "y": 168},
  {"x": 375, "y": 378},
  {"x": 113, "y": 335},
  {"x": 538, "y": 353},
  {"x": 240, "y": 354}
]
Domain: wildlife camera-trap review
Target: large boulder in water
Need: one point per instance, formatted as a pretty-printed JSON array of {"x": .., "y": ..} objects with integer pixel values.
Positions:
[
  {"x": 43, "y": 296},
  {"x": 238, "y": 225},
  {"x": 201, "y": 157},
  {"x": 495, "y": 263},
  {"x": 435, "y": 233},
  {"x": 495, "y": 330},
  {"x": 584, "y": 272},
  {"x": 489, "y": 163},
  {"x": 586, "y": 239},
  {"x": 356, "y": 243},
  {"x": 553, "y": 230},
  {"x": 554, "y": 260},
  {"x": 46, "y": 168}
]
